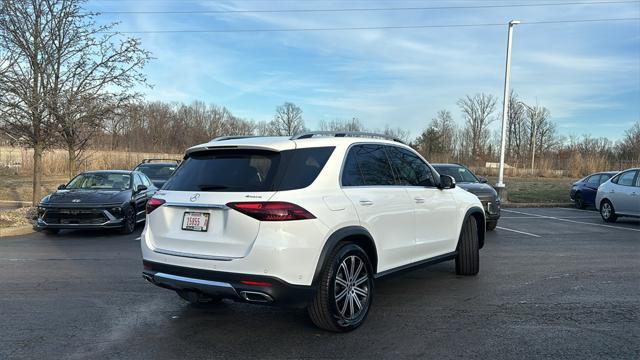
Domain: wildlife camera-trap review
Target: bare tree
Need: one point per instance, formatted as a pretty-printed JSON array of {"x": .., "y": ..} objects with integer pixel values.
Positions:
[
  {"x": 25, "y": 81},
  {"x": 477, "y": 111},
  {"x": 629, "y": 146},
  {"x": 93, "y": 70},
  {"x": 438, "y": 140},
  {"x": 288, "y": 120},
  {"x": 342, "y": 125}
]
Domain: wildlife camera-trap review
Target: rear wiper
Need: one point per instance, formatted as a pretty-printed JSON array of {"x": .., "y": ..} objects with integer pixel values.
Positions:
[{"x": 213, "y": 187}]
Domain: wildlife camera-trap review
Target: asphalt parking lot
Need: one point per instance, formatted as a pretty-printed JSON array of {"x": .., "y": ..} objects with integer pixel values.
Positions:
[{"x": 553, "y": 283}]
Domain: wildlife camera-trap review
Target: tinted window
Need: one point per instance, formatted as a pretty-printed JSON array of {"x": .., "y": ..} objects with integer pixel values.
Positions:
[
  {"x": 157, "y": 171},
  {"x": 303, "y": 166},
  {"x": 605, "y": 177},
  {"x": 626, "y": 179},
  {"x": 249, "y": 170},
  {"x": 367, "y": 165},
  {"x": 409, "y": 168},
  {"x": 594, "y": 180},
  {"x": 145, "y": 181},
  {"x": 459, "y": 173}
]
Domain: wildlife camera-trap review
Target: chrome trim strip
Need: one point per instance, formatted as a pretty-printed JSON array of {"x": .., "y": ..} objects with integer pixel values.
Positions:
[
  {"x": 193, "y": 205},
  {"x": 193, "y": 281},
  {"x": 193, "y": 256}
]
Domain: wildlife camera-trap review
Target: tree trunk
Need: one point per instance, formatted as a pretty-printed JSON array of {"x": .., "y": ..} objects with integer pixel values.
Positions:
[
  {"x": 37, "y": 174},
  {"x": 71, "y": 161}
]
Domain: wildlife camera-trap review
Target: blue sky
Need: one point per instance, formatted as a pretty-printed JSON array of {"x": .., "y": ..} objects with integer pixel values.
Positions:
[{"x": 587, "y": 74}]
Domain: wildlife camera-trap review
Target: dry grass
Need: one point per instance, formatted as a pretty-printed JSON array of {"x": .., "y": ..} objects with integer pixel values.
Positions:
[
  {"x": 19, "y": 161},
  {"x": 19, "y": 188},
  {"x": 17, "y": 217}
]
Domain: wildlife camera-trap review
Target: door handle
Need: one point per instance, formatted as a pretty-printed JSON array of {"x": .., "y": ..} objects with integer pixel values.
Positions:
[
  {"x": 366, "y": 202},
  {"x": 419, "y": 200}
]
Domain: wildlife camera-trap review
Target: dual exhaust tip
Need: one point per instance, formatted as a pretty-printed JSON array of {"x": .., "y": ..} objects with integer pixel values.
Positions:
[{"x": 250, "y": 296}]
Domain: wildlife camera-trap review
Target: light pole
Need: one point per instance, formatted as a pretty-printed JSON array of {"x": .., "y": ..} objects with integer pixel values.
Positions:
[{"x": 505, "y": 109}]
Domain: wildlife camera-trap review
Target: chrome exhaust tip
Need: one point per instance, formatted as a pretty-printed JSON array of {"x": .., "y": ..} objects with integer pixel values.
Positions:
[
  {"x": 257, "y": 297},
  {"x": 147, "y": 277}
]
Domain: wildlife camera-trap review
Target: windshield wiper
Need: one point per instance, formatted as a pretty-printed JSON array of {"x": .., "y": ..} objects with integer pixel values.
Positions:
[{"x": 214, "y": 187}]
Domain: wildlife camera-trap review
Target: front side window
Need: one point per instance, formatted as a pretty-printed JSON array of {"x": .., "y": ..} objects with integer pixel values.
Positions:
[
  {"x": 410, "y": 169},
  {"x": 100, "y": 181},
  {"x": 367, "y": 165}
]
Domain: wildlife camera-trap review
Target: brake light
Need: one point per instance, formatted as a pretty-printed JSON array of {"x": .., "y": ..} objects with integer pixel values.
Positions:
[
  {"x": 272, "y": 211},
  {"x": 153, "y": 204}
]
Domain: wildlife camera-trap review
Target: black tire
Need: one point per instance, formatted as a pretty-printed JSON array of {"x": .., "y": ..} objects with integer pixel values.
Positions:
[
  {"x": 607, "y": 212},
  {"x": 468, "y": 256},
  {"x": 491, "y": 225},
  {"x": 51, "y": 231},
  {"x": 334, "y": 306},
  {"x": 198, "y": 300},
  {"x": 129, "y": 224},
  {"x": 578, "y": 201}
]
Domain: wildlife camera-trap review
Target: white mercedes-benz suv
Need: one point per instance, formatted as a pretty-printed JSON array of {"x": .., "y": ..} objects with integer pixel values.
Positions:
[{"x": 309, "y": 220}]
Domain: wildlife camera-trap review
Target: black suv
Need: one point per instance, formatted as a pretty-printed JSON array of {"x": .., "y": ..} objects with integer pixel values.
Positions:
[
  {"x": 476, "y": 185},
  {"x": 158, "y": 170}
]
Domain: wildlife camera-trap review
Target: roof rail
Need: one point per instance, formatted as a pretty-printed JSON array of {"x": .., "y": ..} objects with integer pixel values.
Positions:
[
  {"x": 311, "y": 134},
  {"x": 223, "y": 138},
  {"x": 146, "y": 161}
]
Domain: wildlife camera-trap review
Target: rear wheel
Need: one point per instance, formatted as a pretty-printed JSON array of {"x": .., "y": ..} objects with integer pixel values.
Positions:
[
  {"x": 607, "y": 211},
  {"x": 345, "y": 291},
  {"x": 578, "y": 201},
  {"x": 129, "y": 223},
  {"x": 198, "y": 300},
  {"x": 491, "y": 225},
  {"x": 468, "y": 257}
]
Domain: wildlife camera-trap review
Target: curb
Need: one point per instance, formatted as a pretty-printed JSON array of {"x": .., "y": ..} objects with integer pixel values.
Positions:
[{"x": 537, "y": 205}]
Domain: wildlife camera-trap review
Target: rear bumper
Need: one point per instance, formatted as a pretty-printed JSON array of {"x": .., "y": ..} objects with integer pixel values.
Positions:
[{"x": 260, "y": 289}]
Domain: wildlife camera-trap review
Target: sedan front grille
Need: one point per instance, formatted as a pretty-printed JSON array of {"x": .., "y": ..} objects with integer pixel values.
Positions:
[{"x": 74, "y": 216}]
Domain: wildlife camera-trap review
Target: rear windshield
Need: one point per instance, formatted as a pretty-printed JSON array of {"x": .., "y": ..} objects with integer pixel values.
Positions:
[
  {"x": 249, "y": 170},
  {"x": 157, "y": 171}
]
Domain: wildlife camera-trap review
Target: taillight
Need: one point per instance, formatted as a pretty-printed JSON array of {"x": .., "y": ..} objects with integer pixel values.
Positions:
[
  {"x": 153, "y": 204},
  {"x": 272, "y": 211}
]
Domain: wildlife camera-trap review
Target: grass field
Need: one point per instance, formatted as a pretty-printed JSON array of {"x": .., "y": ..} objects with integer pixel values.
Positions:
[{"x": 520, "y": 190}]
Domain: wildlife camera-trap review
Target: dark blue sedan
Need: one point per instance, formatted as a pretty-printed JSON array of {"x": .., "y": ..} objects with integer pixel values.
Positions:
[{"x": 583, "y": 192}]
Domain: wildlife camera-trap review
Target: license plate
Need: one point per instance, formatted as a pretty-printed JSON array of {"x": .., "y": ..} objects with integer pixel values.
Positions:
[{"x": 195, "y": 221}]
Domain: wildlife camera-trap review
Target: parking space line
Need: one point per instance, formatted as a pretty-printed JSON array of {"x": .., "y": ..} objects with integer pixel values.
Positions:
[
  {"x": 571, "y": 221},
  {"x": 537, "y": 217},
  {"x": 517, "y": 231}
]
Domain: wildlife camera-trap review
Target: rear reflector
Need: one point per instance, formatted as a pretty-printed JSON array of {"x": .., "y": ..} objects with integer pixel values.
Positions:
[
  {"x": 272, "y": 211},
  {"x": 255, "y": 283},
  {"x": 153, "y": 204}
]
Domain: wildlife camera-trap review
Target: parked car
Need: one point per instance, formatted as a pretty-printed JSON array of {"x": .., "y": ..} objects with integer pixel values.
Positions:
[
  {"x": 309, "y": 220},
  {"x": 620, "y": 196},
  {"x": 96, "y": 200},
  {"x": 158, "y": 170},
  {"x": 476, "y": 185},
  {"x": 583, "y": 192}
]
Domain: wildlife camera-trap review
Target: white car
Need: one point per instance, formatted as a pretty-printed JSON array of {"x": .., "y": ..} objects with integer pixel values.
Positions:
[
  {"x": 309, "y": 220},
  {"x": 619, "y": 196}
]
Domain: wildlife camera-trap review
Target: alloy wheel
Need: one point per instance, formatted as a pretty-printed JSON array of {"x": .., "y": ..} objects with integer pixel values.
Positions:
[
  {"x": 351, "y": 287},
  {"x": 606, "y": 210}
]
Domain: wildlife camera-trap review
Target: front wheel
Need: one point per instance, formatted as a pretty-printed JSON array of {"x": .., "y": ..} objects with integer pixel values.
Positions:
[
  {"x": 468, "y": 256},
  {"x": 345, "y": 291},
  {"x": 129, "y": 223},
  {"x": 579, "y": 201},
  {"x": 51, "y": 231},
  {"x": 607, "y": 212},
  {"x": 491, "y": 225}
]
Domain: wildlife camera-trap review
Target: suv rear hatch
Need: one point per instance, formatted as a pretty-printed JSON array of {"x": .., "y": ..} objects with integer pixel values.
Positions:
[{"x": 195, "y": 221}]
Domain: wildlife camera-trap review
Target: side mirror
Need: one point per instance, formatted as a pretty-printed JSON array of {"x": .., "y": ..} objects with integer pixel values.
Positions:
[
  {"x": 62, "y": 187},
  {"x": 447, "y": 182},
  {"x": 483, "y": 179},
  {"x": 141, "y": 188}
]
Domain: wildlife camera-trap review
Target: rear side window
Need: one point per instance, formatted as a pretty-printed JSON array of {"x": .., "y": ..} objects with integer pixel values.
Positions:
[
  {"x": 626, "y": 179},
  {"x": 367, "y": 165},
  {"x": 241, "y": 170},
  {"x": 157, "y": 171},
  {"x": 604, "y": 178},
  {"x": 411, "y": 170}
]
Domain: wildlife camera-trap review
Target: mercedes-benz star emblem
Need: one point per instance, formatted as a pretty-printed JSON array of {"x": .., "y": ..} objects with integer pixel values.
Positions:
[{"x": 194, "y": 197}]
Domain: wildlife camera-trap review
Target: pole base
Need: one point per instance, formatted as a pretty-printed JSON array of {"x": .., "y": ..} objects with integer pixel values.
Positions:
[{"x": 502, "y": 192}]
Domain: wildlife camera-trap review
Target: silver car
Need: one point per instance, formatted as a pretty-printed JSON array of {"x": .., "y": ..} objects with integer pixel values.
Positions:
[{"x": 620, "y": 196}]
